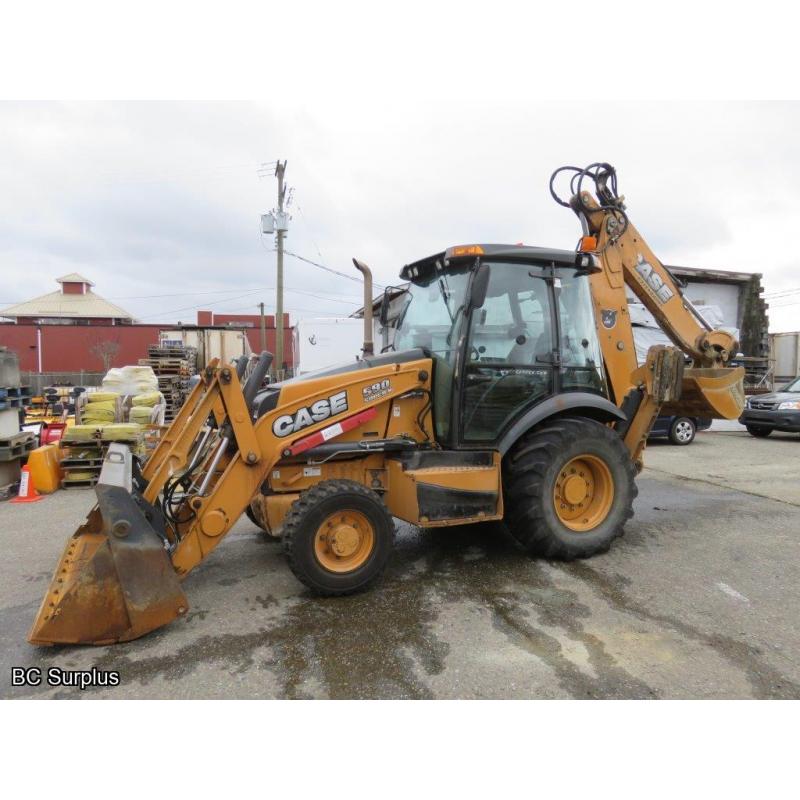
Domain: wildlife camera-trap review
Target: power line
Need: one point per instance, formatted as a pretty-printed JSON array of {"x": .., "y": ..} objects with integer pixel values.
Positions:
[
  {"x": 784, "y": 305},
  {"x": 238, "y": 289},
  {"x": 781, "y": 293},
  {"x": 287, "y": 309},
  {"x": 248, "y": 294},
  {"x": 330, "y": 269},
  {"x": 187, "y": 294},
  {"x": 191, "y": 308}
]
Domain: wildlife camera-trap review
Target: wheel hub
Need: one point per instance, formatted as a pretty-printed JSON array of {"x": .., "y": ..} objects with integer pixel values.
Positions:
[
  {"x": 344, "y": 541},
  {"x": 575, "y": 489},
  {"x": 583, "y": 493}
]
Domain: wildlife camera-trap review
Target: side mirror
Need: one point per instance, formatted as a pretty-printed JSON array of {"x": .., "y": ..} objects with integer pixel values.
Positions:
[{"x": 480, "y": 283}]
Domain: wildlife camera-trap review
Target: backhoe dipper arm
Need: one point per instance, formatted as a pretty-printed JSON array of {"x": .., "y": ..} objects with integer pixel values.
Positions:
[
  {"x": 708, "y": 388},
  {"x": 625, "y": 254}
]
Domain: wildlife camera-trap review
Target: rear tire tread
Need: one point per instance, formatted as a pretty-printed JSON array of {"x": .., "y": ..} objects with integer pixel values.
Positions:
[{"x": 524, "y": 492}]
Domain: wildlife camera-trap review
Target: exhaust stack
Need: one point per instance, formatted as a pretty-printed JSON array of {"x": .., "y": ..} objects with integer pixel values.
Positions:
[{"x": 368, "y": 348}]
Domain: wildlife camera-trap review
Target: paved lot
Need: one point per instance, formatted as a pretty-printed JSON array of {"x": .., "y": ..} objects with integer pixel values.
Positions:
[{"x": 699, "y": 599}]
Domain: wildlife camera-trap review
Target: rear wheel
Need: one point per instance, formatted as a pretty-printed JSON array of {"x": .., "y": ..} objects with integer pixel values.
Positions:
[
  {"x": 338, "y": 536},
  {"x": 568, "y": 489},
  {"x": 682, "y": 431},
  {"x": 759, "y": 433}
]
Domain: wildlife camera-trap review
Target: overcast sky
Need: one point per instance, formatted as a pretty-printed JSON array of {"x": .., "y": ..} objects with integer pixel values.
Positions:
[{"x": 159, "y": 203}]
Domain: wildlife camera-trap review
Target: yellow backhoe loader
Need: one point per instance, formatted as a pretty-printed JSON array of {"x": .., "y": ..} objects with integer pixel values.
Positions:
[{"x": 511, "y": 392}]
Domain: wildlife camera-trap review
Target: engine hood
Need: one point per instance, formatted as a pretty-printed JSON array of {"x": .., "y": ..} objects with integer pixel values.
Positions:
[
  {"x": 267, "y": 399},
  {"x": 776, "y": 397}
]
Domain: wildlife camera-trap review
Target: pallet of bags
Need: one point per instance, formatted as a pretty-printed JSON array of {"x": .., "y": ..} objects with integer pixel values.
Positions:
[
  {"x": 98, "y": 408},
  {"x": 147, "y": 408}
]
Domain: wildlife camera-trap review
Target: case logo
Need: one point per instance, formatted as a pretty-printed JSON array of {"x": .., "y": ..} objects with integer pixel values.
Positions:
[
  {"x": 305, "y": 416},
  {"x": 653, "y": 280}
]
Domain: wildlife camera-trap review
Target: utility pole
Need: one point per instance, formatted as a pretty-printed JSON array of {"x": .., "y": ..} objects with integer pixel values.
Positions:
[
  {"x": 263, "y": 329},
  {"x": 280, "y": 169}
]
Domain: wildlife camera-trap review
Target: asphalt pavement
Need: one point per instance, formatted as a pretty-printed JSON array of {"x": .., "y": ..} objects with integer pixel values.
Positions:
[{"x": 699, "y": 599}]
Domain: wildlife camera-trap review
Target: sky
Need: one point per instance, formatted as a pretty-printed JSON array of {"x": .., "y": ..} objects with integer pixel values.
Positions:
[{"x": 159, "y": 203}]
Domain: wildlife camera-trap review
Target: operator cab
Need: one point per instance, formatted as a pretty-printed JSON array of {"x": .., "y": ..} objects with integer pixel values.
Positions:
[{"x": 507, "y": 326}]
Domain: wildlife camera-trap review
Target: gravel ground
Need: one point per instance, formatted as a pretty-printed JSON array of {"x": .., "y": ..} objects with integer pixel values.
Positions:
[{"x": 698, "y": 600}]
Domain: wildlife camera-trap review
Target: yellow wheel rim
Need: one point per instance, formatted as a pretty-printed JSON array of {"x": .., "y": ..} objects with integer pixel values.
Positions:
[
  {"x": 584, "y": 493},
  {"x": 344, "y": 541}
]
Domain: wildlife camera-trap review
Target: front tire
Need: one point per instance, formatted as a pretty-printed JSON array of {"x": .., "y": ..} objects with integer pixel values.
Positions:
[
  {"x": 759, "y": 433},
  {"x": 682, "y": 431},
  {"x": 338, "y": 536},
  {"x": 568, "y": 489}
]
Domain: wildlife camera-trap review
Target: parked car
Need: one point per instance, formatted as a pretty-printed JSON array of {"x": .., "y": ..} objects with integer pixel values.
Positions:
[
  {"x": 778, "y": 411},
  {"x": 679, "y": 430}
]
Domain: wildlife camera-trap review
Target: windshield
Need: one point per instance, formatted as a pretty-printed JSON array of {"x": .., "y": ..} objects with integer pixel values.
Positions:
[
  {"x": 431, "y": 310},
  {"x": 794, "y": 386}
]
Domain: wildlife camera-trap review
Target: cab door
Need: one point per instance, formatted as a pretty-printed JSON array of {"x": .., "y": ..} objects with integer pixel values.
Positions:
[{"x": 511, "y": 351}]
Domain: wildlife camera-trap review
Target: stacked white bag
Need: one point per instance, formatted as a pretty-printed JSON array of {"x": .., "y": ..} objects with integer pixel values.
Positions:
[{"x": 130, "y": 380}]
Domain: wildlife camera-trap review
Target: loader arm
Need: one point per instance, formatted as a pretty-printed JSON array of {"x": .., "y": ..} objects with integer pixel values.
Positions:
[
  {"x": 118, "y": 576},
  {"x": 622, "y": 257},
  {"x": 234, "y": 485}
]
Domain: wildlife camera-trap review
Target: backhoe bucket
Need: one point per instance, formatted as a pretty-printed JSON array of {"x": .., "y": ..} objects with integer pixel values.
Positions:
[
  {"x": 712, "y": 393},
  {"x": 115, "y": 580}
]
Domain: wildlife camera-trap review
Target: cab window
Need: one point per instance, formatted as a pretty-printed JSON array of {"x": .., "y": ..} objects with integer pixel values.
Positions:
[{"x": 509, "y": 361}]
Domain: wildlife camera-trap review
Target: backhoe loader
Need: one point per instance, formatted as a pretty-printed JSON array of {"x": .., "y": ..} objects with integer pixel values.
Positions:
[{"x": 512, "y": 392}]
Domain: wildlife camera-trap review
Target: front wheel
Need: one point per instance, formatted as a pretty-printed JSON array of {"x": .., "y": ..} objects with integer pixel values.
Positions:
[
  {"x": 682, "y": 431},
  {"x": 759, "y": 433},
  {"x": 568, "y": 489},
  {"x": 338, "y": 536}
]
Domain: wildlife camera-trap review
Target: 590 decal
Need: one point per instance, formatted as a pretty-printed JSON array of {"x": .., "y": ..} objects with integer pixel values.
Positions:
[
  {"x": 305, "y": 416},
  {"x": 376, "y": 390}
]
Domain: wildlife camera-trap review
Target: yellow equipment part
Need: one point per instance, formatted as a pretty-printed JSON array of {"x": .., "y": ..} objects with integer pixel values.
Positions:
[
  {"x": 114, "y": 581},
  {"x": 44, "y": 464},
  {"x": 119, "y": 576},
  {"x": 710, "y": 392}
]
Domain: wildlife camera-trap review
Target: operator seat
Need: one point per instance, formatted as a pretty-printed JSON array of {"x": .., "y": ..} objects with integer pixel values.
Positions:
[{"x": 527, "y": 351}]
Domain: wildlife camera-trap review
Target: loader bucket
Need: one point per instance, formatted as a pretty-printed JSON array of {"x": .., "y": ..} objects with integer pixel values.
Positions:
[
  {"x": 713, "y": 393},
  {"x": 115, "y": 580}
]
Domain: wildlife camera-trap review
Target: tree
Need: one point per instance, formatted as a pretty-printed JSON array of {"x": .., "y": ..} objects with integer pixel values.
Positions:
[{"x": 105, "y": 350}]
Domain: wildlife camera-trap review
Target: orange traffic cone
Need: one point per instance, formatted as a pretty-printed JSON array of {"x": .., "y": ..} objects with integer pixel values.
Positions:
[{"x": 27, "y": 491}]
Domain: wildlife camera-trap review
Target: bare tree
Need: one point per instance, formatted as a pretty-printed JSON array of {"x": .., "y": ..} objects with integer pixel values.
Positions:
[{"x": 105, "y": 350}]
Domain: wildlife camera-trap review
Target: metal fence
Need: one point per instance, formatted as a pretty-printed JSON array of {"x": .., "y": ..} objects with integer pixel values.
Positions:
[{"x": 40, "y": 380}]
